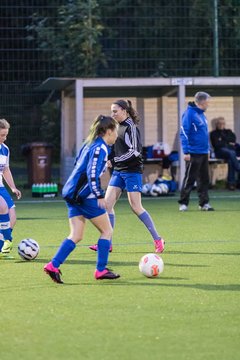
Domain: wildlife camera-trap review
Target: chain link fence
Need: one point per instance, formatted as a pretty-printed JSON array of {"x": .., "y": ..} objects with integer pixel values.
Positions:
[{"x": 138, "y": 38}]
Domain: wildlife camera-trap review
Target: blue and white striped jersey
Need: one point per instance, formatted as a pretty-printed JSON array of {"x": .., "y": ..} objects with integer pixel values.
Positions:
[
  {"x": 4, "y": 161},
  {"x": 84, "y": 181}
]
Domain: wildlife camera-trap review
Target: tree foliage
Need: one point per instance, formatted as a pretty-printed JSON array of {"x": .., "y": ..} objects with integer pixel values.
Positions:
[
  {"x": 139, "y": 38},
  {"x": 73, "y": 37}
]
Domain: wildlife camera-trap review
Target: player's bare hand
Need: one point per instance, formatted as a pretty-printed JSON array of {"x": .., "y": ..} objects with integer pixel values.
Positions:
[
  {"x": 102, "y": 203},
  {"x": 17, "y": 193},
  {"x": 109, "y": 164},
  {"x": 187, "y": 157}
]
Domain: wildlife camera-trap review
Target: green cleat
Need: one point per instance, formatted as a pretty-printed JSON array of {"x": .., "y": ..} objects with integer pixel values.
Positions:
[
  {"x": 7, "y": 247},
  {"x": 6, "y": 257}
]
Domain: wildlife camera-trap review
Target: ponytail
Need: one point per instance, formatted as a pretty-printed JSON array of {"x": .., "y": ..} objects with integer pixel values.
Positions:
[{"x": 99, "y": 127}]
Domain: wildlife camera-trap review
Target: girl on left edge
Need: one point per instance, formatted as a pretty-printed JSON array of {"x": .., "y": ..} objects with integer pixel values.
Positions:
[
  {"x": 7, "y": 206},
  {"x": 85, "y": 199}
]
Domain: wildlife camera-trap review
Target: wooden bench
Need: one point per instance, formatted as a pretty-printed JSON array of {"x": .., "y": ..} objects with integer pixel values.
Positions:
[
  {"x": 152, "y": 169},
  {"x": 218, "y": 169}
]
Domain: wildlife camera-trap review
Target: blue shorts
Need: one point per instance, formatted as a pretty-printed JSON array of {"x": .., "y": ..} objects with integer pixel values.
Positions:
[
  {"x": 132, "y": 182},
  {"x": 89, "y": 209},
  {"x": 4, "y": 193}
]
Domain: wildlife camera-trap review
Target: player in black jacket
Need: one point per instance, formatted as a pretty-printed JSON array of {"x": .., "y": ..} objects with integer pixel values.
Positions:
[
  {"x": 127, "y": 164},
  {"x": 224, "y": 144}
]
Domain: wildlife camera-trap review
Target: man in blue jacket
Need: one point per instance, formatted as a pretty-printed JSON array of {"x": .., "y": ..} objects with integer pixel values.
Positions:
[{"x": 195, "y": 144}]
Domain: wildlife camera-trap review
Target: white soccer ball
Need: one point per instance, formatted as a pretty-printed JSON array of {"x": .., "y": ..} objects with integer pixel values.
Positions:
[
  {"x": 164, "y": 188},
  {"x": 151, "y": 265},
  {"x": 28, "y": 249},
  {"x": 154, "y": 190},
  {"x": 146, "y": 188}
]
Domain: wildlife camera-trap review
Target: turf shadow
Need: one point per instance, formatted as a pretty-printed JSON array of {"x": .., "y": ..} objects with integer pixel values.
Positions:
[
  {"x": 186, "y": 265},
  {"x": 202, "y": 253},
  {"x": 79, "y": 262},
  {"x": 206, "y": 287},
  {"x": 111, "y": 263}
]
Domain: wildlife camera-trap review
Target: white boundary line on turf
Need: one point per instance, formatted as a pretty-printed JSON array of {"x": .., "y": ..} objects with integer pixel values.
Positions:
[
  {"x": 125, "y": 199},
  {"x": 147, "y": 243},
  {"x": 38, "y": 201}
]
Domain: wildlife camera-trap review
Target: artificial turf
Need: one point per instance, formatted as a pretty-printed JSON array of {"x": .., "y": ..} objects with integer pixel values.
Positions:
[{"x": 192, "y": 311}]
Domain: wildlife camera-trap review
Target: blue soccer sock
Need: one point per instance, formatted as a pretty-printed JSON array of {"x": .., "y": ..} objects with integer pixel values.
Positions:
[
  {"x": 5, "y": 227},
  {"x": 64, "y": 250},
  {"x": 1, "y": 244},
  {"x": 112, "y": 221},
  {"x": 148, "y": 222},
  {"x": 102, "y": 254}
]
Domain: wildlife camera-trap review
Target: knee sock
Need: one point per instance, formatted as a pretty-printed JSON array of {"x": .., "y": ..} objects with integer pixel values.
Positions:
[
  {"x": 64, "y": 250},
  {"x": 1, "y": 241},
  {"x": 112, "y": 221},
  {"x": 148, "y": 222},
  {"x": 102, "y": 254},
  {"x": 5, "y": 227}
]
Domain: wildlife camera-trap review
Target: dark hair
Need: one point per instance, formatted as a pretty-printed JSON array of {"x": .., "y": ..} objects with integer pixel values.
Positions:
[
  {"x": 100, "y": 126},
  {"x": 127, "y": 105}
]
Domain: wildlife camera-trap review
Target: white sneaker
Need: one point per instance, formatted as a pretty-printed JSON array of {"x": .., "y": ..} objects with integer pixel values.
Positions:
[
  {"x": 183, "y": 207},
  {"x": 206, "y": 207}
]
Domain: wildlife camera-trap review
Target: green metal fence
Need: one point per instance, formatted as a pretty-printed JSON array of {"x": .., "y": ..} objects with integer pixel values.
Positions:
[{"x": 136, "y": 38}]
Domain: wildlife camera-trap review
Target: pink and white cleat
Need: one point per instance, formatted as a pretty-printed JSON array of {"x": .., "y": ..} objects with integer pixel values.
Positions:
[
  {"x": 105, "y": 274},
  {"x": 95, "y": 248},
  {"x": 53, "y": 272},
  {"x": 159, "y": 245}
]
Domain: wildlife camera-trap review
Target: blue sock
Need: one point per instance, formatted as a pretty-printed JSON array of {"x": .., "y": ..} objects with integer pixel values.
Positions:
[
  {"x": 5, "y": 227},
  {"x": 64, "y": 250},
  {"x": 102, "y": 254},
  {"x": 112, "y": 221},
  {"x": 1, "y": 244},
  {"x": 148, "y": 222}
]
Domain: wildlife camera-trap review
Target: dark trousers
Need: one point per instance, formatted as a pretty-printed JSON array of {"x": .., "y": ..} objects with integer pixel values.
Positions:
[
  {"x": 233, "y": 164},
  {"x": 196, "y": 171}
]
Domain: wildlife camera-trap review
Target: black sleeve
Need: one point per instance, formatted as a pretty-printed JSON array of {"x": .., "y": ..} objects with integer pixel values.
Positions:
[{"x": 231, "y": 137}]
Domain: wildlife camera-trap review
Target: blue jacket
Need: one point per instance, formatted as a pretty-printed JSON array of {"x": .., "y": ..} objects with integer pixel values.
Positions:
[
  {"x": 194, "y": 131},
  {"x": 84, "y": 181}
]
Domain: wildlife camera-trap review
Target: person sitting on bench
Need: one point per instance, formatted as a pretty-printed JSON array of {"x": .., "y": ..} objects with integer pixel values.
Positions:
[{"x": 224, "y": 143}]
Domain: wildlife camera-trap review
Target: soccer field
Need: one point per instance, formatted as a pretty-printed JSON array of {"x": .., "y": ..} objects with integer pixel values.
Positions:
[{"x": 192, "y": 311}]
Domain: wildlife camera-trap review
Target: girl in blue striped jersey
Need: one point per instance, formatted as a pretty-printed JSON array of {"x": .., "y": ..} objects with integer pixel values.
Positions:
[
  {"x": 127, "y": 165},
  {"x": 85, "y": 199},
  {"x": 7, "y": 207}
]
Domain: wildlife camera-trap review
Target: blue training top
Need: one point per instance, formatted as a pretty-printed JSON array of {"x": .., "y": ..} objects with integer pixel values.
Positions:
[
  {"x": 194, "y": 131},
  {"x": 4, "y": 161},
  {"x": 84, "y": 181}
]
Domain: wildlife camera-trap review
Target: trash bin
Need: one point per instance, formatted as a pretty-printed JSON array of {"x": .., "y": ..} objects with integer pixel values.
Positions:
[{"x": 39, "y": 162}]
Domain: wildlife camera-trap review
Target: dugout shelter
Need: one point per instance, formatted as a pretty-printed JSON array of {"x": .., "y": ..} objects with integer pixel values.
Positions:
[{"x": 159, "y": 101}]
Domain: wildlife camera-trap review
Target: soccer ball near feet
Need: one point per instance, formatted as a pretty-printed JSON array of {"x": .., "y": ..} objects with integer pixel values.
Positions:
[
  {"x": 28, "y": 249},
  {"x": 151, "y": 265}
]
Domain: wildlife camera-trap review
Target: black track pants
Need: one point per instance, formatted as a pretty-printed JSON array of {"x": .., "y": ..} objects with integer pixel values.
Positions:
[{"x": 196, "y": 171}]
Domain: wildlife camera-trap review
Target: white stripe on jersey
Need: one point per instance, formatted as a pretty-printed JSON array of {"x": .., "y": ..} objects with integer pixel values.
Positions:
[
  {"x": 131, "y": 143},
  {"x": 183, "y": 131},
  {"x": 94, "y": 166},
  {"x": 4, "y": 161}
]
